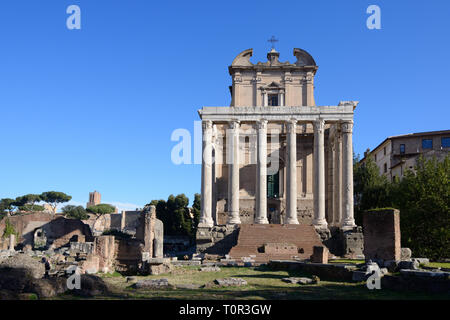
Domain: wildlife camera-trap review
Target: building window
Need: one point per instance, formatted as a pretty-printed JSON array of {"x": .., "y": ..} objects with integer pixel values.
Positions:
[
  {"x": 402, "y": 149},
  {"x": 445, "y": 142},
  {"x": 384, "y": 151},
  {"x": 273, "y": 100},
  {"x": 375, "y": 157},
  {"x": 385, "y": 167},
  {"x": 273, "y": 185},
  {"x": 427, "y": 144}
]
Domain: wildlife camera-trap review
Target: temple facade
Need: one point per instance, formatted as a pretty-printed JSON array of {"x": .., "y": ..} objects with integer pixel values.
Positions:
[{"x": 273, "y": 156}]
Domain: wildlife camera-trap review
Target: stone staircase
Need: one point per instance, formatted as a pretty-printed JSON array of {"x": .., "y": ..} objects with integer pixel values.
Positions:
[{"x": 255, "y": 239}]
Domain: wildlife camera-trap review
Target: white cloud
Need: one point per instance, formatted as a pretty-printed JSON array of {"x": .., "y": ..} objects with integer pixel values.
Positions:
[{"x": 124, "y": 206}]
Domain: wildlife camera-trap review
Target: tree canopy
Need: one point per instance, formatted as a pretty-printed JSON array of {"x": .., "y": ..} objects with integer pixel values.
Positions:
[
  {"x": 102, "y": 208},
  {"x": 423, "y": 198},
  {"x": 75, "y": 212},
  {"x": 53, "y": 198},
  {"x": 177, "y": 217}
]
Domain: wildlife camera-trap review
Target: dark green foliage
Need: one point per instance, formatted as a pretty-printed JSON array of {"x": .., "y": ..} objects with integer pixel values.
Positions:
[
  {"x": 371, "y": 190},
  {"x": 423, "y": 198},
  {"x": 75, "y": 212},
  {"x": 31, "y": 208},
  {"x": 30, "y": 199},
  {"x": 7, "y": 205},
  {"x": 196, "y": 207},
  {"x": 175, "y": 215},
  {"x": 9, "y": 230},
  {"x": 53, "y": 198},
  {"x": 101, "y": 209}
]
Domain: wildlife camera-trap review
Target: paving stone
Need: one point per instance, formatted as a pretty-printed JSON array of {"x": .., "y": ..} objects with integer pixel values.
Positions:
[
  {"x": 152, "y": 284},
  {"x": 300, "y": 280},
  {"x": 226, "y": 282},
  {"x": 210, "y": 269}
]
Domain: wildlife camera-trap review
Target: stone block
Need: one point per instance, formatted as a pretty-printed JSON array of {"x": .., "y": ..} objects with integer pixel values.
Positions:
[
  {"x": 210, "y": 269},
  {"x": 408, "y": 265},
  {"x": 421, "y": 260},
  {"x": 320, "y": 255},
  {"x": 226, "y": 282},
  {"x": 382, "y": 234},
  {"x": 300, "y": 280},
  {"x": 405, "y": 254},
  {"x": 152, "y": 284}
]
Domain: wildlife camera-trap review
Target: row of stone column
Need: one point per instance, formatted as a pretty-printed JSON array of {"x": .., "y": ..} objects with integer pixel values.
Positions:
[{"x": 319, "y": 220}]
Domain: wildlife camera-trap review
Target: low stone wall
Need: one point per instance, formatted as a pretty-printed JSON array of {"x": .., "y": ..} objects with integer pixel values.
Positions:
[
  {"x": 59, "y": 231},
  {"x": 217, "y": 239},
  {"x": 419, "y": 281},
  {"x": 323, "y": 271}
]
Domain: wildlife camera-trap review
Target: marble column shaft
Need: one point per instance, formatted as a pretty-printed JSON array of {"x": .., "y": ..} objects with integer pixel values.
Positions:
[
  {"x": 319, "y": 175},
  {"x": 233, "y": 173},
  {"x": 206, "y": 196},
  {"x": 261, "y": 175},
  {"x": 291, "y": 183},
  {"x": 337, "y": 178},
  {"x": 348, "y": 221}
]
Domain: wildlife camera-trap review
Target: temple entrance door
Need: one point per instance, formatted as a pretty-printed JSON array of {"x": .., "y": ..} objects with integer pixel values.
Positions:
[{"x": 273, "y": 195}]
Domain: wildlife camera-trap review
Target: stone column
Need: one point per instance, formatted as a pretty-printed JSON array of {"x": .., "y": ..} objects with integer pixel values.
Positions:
[
  {"x": 206, "y": 205},
  {"x": 261, "y": 175},
  {"x": 319, "y": 175},
  {"x": 348, "y": 221},
  {"x": 265, "y": 99},
  {"x": 12, "y": 242},
  {"x": 291, "y": 176},
  {"x": 337, "y": 178},
  {"x": 233, "y": 173}
]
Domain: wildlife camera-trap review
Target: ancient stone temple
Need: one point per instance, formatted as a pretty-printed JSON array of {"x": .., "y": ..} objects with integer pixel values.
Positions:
[{"x": 273, "y": 156}]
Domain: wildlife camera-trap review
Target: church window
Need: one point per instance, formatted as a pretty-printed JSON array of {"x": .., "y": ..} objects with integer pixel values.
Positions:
[{"x": 273, "y": 99}]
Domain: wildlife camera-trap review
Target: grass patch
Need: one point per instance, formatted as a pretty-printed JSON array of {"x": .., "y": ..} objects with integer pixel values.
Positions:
[
  {"x": 438, "y": 265},
  {"x": 263, "y": 284},
  {"x": 352, "y": 261}
]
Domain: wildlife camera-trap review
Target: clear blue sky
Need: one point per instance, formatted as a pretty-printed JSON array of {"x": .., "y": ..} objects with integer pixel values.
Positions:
[{"x": 93, "y": 109}]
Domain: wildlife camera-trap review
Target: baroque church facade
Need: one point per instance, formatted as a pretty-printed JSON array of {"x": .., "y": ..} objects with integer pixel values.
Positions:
[{"x": 273, "y": 156}]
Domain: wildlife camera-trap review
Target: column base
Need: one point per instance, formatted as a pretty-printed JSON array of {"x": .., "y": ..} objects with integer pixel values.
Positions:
[
  {"x": 320, "y": 224},
  {"x": 206, "y": 224},
  {"x": 348, "y": 227},
  {"x": 234, "y": 218},
  {"x": 261, "y": 221},
  {"x": 291, "y": 221}
]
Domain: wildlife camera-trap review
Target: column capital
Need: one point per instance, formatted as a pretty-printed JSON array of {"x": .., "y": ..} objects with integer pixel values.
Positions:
[
  {"x": 207, "y": 124},
  {"x": 261, "y": 124},
  {"x": 234, "y": 124},
  {"x": 291, "y": 125},
  {"x": 319, "y": 125},
  {"x": 347, "y": 126}
]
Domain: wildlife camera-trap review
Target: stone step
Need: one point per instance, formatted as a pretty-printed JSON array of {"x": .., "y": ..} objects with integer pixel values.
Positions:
[{"x": 252, "y": 237}]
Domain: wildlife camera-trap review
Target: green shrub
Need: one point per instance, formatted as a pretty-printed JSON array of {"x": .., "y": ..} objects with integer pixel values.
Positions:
[{"x": 9, "y": 229}]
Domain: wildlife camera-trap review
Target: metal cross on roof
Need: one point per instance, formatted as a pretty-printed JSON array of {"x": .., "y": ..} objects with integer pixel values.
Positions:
[{"x": 273, "y": 40}]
